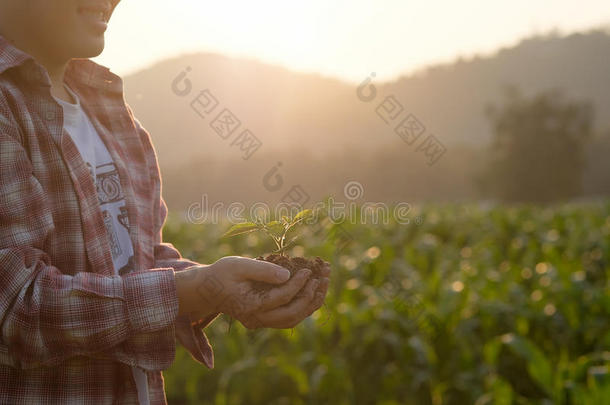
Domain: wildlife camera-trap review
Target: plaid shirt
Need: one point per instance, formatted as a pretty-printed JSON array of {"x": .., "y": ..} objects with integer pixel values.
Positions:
[{"x": 70, "y": 328}]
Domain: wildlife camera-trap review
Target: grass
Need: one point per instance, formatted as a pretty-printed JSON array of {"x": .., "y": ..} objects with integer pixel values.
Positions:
[{"x": 474, "y": 305}]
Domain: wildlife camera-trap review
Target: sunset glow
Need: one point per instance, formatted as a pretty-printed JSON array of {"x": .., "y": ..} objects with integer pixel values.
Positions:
[{"x": 343, "y": 38}]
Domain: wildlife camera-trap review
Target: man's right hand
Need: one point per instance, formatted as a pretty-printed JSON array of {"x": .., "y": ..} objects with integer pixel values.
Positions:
[{"x": 226, "y": 286}]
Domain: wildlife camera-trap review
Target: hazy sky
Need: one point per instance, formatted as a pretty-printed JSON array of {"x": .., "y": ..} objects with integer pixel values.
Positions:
[{"x": 343, "y": 38}]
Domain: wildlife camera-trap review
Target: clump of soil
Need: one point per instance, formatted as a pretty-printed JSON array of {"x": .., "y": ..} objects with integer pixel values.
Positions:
[{"x": 293, "y": 264}]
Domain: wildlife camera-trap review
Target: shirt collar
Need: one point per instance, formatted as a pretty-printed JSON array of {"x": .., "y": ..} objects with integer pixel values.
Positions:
[{"x": 80, "y": 71}]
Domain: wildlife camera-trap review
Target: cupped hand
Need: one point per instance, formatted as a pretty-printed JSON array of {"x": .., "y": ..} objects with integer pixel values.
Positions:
[
  {"x": 227, "y": 286},
  {"x": 306, "y": 302}
]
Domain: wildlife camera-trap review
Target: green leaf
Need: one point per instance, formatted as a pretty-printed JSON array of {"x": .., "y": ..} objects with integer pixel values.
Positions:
[
  {"x": 241, "y": 228},
  {"x": 302, "y": 215},
  {"x": 275, "y": 226},
  {"x": 538, "y": 366}
]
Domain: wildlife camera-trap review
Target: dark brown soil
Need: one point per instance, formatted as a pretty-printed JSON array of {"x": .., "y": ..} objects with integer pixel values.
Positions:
[{"x": 293, "y": 264}]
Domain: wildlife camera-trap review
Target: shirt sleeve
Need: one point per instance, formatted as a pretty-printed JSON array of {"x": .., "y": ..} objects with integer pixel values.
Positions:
[
  {"x": 189, "y": 332},
  {"x": 47, "y": 316}
]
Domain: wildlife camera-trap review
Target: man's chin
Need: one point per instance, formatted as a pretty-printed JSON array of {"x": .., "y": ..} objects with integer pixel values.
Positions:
[{"x": 88, "y": 50}]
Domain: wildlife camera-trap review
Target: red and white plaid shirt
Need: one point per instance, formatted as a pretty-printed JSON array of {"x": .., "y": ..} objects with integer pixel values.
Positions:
[{"x": 70, "y": 328}]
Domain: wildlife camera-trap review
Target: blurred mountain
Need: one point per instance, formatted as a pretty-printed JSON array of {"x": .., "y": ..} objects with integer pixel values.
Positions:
[
  {"x": 318, "y": 119},
  {"x": 451, "y": 98}
]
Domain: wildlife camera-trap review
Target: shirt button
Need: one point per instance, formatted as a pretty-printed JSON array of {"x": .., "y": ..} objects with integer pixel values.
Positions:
[{"x": 50, "y": 115}]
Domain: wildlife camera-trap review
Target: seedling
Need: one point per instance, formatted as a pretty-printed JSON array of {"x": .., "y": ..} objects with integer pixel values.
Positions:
[{"x": 276, "y": 230}]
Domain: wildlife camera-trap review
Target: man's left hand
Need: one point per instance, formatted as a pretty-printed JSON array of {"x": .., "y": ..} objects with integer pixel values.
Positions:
[{"x": 309, "y": 300}]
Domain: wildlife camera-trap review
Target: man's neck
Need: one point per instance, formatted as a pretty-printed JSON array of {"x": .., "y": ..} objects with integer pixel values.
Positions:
[
  {"x": 56, "y": 71},
  {"x": 55, "y": 68}
]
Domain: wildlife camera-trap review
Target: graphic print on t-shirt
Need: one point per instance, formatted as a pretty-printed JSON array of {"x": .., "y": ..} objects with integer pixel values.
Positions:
[
  {"x": 112, "y": 202},
  {"x": 108, "y": 184},
  {"x": 123, "y": 218}
]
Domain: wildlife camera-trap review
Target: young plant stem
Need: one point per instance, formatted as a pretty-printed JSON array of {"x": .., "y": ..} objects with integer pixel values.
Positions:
[{"x": 278, "y": 237}]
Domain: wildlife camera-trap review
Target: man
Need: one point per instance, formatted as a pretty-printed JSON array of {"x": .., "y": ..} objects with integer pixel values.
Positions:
[{"x": 91, "y": 299}]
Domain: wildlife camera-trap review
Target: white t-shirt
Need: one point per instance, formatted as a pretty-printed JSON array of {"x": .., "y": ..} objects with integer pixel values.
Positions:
[{"x": 110, "y": 196}]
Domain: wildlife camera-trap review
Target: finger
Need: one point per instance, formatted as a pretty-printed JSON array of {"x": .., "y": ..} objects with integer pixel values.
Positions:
[
  {"x": 319, "y": 296},
  {"x": 290, "y": 315},
  {"x": 282, "y": 295},
  {"x": 311, "y": 284},
  {"x": 251, "y": 322},
  {"x": 317, "y": 302},
  {"x": 325, "y": 272},
  {"x": 323, "y": 286},
  {"x": 260, "y": 270}
]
